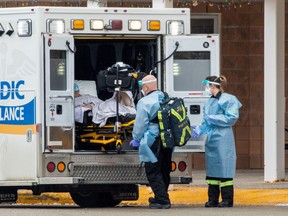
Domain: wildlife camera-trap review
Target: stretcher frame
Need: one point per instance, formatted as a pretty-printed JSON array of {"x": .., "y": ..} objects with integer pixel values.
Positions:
[{"x": 103, "y": 136}]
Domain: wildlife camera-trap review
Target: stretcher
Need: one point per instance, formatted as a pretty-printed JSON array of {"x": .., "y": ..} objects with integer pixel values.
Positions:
[
  {"x": 89, "y": 136},
  {"x": 107, "y": 138}
]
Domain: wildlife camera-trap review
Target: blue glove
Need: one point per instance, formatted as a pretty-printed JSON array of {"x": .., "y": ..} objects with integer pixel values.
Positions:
[
  {"x": 194, "y": 134},
  {"x": 135, "y": 143}
]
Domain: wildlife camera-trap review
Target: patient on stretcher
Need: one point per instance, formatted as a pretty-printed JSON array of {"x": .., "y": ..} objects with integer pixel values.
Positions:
[
  {"x": 107, "y": 109},
  {"x": 83, "y": 103},
  {"x": 103, "y": 111}
]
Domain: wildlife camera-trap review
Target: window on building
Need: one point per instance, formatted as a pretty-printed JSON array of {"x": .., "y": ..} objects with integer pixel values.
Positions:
[{"x": 205, "y": 23}]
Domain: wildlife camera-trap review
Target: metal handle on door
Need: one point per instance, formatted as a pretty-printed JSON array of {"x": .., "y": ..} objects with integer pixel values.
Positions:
[
  {"x": 61, "y": 96},
  {"x": 67, "y": 128}
]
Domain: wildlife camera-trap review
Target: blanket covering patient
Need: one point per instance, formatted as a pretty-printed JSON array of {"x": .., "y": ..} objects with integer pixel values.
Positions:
[{"x": 102, "y": 110}]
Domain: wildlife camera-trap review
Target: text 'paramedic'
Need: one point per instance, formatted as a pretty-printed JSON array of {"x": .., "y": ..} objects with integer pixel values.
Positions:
[{"x": 10, "y": 90}]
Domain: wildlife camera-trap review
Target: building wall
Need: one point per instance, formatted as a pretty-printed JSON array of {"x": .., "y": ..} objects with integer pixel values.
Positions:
[
  {"x": 242, "y": 62},
  {"x": 242, "y": 47}
]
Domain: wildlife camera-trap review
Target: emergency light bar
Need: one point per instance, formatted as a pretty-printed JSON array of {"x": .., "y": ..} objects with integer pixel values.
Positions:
[{"x": 173, "y": 27}]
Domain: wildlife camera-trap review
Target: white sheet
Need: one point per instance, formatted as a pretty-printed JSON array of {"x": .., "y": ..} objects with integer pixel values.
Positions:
[{"x": 102, "y": 110}]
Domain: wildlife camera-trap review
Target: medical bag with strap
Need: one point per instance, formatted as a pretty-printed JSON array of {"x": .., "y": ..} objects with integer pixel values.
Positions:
[
  {"x": 174, "y": 123},
  {"x": 127, "y": 76}
]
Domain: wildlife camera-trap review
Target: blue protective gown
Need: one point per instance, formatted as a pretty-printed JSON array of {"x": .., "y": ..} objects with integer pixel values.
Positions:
[
  {"x": 144, "y": 130},
  {"x": 219, "y": 115}
]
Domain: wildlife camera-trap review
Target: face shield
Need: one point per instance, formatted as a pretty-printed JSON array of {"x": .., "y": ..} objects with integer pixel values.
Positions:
[
  {"x": 208, "y": 82},
  {"x": 207, "y": 85},
  {"x": 141, "y": 83}
]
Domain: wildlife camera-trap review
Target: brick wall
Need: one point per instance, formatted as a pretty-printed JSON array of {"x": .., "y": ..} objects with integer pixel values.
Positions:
[
  {"x": 242, "y": 47},
  {"x": 242, "y": 62}
]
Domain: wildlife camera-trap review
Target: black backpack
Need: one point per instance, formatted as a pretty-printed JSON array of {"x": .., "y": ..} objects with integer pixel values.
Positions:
[{"x": 174, "y": 123}]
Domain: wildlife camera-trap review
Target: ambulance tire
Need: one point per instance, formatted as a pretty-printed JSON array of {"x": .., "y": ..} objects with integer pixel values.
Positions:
[{"x": 90, "y": 199}]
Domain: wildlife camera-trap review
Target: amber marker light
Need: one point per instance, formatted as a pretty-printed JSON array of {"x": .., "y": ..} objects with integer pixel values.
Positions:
[
  {"x": 173, "y": 166},
  {"x": 77, "y": 24},
  {"x": 61, "y": 166},
  {"x": 153, "y": 25}
]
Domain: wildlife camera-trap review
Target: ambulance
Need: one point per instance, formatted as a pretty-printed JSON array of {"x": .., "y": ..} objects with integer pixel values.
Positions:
[{"x": 43, "y": 50}]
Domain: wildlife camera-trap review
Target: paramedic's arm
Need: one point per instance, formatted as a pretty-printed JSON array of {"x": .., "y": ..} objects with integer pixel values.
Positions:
[
  {"x": 201, "y": 129},
  {"x": 141, "y": 122},
  {"x": 230, "y": 115}
]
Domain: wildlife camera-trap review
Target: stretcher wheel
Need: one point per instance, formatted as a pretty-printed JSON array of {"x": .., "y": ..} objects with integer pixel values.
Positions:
[{"x": 119, "y": 147}]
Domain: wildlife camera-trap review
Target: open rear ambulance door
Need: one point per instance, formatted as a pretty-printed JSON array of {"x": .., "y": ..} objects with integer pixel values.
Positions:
[
  {"x": 194, "y": 58},
  {"x": 59, "y": 92}
]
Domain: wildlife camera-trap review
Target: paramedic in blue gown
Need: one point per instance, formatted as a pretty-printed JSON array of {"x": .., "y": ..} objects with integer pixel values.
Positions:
[
  {"x": 220, "y": 113},
  {"x": 157, "y": 160}
]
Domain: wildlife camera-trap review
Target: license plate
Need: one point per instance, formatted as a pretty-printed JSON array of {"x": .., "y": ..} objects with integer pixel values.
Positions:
[{"x": 8, "y": 196}]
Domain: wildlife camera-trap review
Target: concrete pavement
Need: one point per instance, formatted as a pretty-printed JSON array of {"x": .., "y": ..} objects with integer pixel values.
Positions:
[{"x": 250, "y": 189}]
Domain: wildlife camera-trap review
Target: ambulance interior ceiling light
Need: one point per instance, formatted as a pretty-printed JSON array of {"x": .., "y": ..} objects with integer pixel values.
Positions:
[
  {"x": 176, "y": 69},
  {"x": 55, "y": 26},
  {"x": 135, "y": 25},
  {"x": 1, "y": 30},
  {"x": 24, "y": 27},
  {"x": 175, "y": 27},
  {"x": 96, "y": 24}
]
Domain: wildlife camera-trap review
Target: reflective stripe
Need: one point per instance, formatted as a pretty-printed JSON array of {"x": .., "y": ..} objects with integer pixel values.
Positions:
[
  {"x": 227, "y": 183},
  {"x": 177, "y": 115},
  {"x": 187, "y": 128},
  {"x": 213, "y": 182},
  {"x": 161, "y": 125},
  {"x": 163, "y": 138}
]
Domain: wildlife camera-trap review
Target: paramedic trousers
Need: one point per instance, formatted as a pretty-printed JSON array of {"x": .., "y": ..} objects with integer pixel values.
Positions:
[{"x": 158, "y": 174}]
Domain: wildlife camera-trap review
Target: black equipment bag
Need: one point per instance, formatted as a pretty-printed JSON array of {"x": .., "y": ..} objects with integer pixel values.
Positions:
[{"x": 174, "y": 123}]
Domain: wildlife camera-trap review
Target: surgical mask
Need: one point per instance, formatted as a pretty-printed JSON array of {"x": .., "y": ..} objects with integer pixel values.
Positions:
[{"x": 208, "y": 91}]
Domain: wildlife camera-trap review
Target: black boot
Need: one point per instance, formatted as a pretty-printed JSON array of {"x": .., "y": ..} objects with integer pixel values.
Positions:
[
  {"x": 227, "y": 194},
  {"x": 213, "y": 194}
]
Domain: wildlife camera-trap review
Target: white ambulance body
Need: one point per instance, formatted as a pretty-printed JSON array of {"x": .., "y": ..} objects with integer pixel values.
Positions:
[{"x": 44, "y": 49}]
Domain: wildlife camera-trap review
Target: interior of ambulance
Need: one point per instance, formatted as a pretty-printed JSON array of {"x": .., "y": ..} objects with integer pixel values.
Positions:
[{"x": 99, "y": 63}]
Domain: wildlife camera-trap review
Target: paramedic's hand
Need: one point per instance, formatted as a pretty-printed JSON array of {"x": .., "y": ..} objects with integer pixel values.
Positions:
[
  {"x": 135, "y": 143},
  {"x": 194, "y": 134},
  {"x": 88, "y": 106}
]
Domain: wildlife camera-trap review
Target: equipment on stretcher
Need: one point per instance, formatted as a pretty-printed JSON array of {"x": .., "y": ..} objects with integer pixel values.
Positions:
[{"x": 114, "y": 133}]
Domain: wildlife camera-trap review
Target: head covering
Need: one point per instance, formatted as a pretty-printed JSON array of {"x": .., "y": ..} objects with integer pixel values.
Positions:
[{"x": 76, "y": 87}]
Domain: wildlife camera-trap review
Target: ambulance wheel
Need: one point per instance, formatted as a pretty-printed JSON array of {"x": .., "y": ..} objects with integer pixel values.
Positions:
[{"x": 89, "y": 199}]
